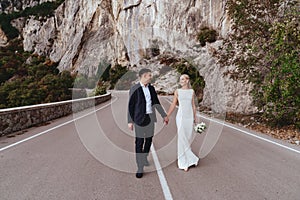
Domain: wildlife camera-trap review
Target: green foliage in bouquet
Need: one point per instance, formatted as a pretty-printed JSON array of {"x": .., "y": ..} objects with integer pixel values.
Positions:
[{"x": 199, "y": 128}]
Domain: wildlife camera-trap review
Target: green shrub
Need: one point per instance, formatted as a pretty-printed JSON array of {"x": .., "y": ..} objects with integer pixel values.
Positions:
[
  {"x": 45, "y": 9},
  {"x": 115, "y": 74},
  {"x": 266, "y": 37},
  {"x": 281, "y": 88},
  {"x": 38, "y": 82},
  {"x": 207, "y": 35},
  {"x": 12, "y": 58},
  {"x": 197, "y": 81},
  {"x": 100, "y": 90},
  {"x": 103, "y": 70},
  {"x": 10, "y": 31}
]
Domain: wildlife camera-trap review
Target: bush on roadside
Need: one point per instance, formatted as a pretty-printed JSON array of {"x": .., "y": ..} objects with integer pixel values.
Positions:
[{"x": 207, "y": 35}]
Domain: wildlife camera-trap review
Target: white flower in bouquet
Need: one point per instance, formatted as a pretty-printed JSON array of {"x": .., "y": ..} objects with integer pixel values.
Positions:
[{"x": 199, "y": 128}]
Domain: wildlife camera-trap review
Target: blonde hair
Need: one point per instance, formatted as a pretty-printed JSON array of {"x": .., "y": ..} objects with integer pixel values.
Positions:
[{"x": 187, "y": 77}]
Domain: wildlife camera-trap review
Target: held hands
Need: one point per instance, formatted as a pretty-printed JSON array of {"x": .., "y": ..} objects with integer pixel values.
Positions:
[
  {"x": 130, "y": 126},
  {"x": 166, "y": 120}
]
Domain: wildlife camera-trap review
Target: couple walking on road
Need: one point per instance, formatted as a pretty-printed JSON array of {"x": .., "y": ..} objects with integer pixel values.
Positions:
[{"x": 142, "y": 106}]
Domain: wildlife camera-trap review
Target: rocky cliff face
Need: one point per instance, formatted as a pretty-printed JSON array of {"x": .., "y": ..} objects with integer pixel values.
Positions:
[
  {"x": 8, "y": 6},
  {"x": 84, "y": 33}
]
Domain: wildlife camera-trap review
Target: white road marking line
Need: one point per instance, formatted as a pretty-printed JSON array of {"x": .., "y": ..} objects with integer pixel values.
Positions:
[
  {"x": 53, "y": 128},
  {"x": 162, "y": 179},
  {"x": 161, "y": 176},
  {"x": 245, "y": 132},
  {"x": 48, "y": 104},
  {"x": 251, "y": 134}
]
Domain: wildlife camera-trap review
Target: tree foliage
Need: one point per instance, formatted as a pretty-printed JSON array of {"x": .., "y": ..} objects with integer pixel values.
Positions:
[
  {"x": 197, "y": 81},
  {"x": 116, "y": 74},
  {"x": 264, "y": 46},
  {"x": 281, "y": 88},
  {"x": 207, "y": 35},
  {"x": 45, "y": 9},
  {"x": 30, "y": 79}
]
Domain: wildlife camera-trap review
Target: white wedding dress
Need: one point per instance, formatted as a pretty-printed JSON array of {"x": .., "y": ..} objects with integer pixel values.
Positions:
[{"x": 184, "y": 122}]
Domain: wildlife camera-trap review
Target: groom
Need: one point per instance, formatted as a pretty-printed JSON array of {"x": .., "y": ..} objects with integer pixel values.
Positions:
[{"x": 143, "y": 102}]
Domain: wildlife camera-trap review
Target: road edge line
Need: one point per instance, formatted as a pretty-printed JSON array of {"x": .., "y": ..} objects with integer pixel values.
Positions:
[
  {"x": 251, "y": 134},
  {"x": 245, "y": 132},
  {"x": 53, "y": 128}
]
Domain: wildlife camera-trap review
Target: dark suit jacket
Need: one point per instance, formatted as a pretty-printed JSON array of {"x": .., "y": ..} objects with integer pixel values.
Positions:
[{"x": 137, "y": 104}]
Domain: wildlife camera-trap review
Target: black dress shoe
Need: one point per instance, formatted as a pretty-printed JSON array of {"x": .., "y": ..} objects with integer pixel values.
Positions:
[{"x": 139, "y": 174}]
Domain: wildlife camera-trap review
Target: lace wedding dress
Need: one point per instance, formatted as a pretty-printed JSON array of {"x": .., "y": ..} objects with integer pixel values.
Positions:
[{"x": 184, "y": 122}]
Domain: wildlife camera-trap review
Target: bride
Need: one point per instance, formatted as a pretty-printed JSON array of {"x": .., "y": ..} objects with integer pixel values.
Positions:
[{"x": 185, "y": 118}]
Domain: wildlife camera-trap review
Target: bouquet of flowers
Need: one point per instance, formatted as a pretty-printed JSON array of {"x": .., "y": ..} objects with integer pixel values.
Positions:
[{"x": 199, "y": 128}]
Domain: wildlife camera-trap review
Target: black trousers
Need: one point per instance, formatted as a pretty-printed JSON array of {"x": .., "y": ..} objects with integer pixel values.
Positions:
[{"x": 143, "y": 141}]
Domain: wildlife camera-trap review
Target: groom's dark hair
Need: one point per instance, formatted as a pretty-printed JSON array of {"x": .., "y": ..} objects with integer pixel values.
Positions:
[{"x": 143, "y": 71}]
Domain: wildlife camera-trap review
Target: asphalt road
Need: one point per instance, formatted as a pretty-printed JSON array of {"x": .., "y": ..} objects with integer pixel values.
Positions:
[{"x": 90, "y": 155}]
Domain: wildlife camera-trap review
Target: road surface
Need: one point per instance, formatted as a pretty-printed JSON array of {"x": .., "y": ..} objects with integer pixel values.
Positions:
[{"x": 90, "y": 155}]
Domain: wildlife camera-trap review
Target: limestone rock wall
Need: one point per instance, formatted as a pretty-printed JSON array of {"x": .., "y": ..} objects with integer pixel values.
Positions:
[{"x": 84, "y": 33}]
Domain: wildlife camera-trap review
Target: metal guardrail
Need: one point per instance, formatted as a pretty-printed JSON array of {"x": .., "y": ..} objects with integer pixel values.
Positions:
[{"x": 16, "y": 119}]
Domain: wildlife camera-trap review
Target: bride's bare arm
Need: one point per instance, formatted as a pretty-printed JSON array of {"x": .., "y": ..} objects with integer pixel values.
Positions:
[
  {"x": 173, "y": 105},
  {"x": 194, "y": 107}
]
